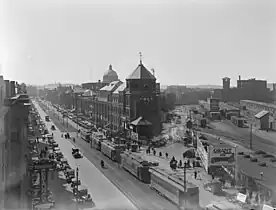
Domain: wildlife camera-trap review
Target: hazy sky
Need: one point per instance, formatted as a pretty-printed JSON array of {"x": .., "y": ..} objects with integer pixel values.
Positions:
[{"x": 185, "y": 41}]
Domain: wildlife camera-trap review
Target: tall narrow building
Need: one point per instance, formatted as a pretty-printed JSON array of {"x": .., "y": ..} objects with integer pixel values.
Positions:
[{"x": 142, "y": 96}]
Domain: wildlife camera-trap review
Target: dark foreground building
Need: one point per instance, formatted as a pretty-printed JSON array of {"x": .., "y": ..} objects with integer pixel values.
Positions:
[{"x": 13, "y": 148}]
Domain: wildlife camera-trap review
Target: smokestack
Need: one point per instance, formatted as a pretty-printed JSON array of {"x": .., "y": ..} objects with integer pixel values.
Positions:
[
  {"x": 8, "y": 89},
  {"x": 239, "y": 77},
  {"x": 12, "y": 86}
]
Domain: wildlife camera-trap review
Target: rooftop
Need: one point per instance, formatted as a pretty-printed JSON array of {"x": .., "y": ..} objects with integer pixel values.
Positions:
[
  {"x": 227, "y": 106},
  {"x": 253, "y": 170},
  {"x": 260, "y": 103},
  {"x": 141, "y": 72},
  {"x": 110, "y": 86},
  {"x": 261, "y": 114},
  {"x": 122, "y": 87}
]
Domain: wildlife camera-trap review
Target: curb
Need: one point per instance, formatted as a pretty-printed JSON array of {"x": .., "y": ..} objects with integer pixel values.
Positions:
[{"x": 112, "y": 181}]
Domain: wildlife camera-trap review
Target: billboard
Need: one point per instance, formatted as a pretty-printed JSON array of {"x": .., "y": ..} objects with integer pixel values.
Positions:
[{"x": 222, "y": 155}]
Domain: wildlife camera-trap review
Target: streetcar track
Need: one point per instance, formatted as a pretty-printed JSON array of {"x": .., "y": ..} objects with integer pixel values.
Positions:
[{"x": 91, "y": 154}]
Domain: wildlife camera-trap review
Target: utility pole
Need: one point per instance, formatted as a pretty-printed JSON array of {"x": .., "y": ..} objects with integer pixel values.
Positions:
[
  {"x": 77, "y": 188},
  {"x": 250, "y": 140},
  {"x": 185, "y": 176},
  {"x": 67, "y": 119},
  {"x": 76, "y": 107}
]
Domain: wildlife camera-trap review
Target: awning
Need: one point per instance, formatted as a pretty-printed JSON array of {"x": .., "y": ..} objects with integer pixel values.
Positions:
[{"x": 140, "y": 121}]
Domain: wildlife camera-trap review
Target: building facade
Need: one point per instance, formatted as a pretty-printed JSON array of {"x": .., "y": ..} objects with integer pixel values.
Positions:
[
  {"x": 250, "y": 89},
  {"x": 116, "y": 105},
  {"x": 14, "y": 174}
]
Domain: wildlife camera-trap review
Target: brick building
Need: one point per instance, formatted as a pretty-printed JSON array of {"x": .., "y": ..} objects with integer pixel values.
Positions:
[
  {"x": 131, "y": 105},
  {"x": 13, "y": 147},
  {"x": 250, "y": 89}
]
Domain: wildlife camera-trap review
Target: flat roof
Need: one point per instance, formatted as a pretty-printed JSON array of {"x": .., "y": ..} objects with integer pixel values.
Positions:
[
  {"x": 252, "y": 169},
  {"x": 260, "y": 103},
  {"x": 227, "y": 106}
]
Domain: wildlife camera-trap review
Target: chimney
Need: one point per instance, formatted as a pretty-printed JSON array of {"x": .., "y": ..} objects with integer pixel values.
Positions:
[
  {"x": 239, "y": 77},
  {"x": 8, "y": 89},
  {"x": 99, "y": 81},
  {"x": 12, "y": 86}
]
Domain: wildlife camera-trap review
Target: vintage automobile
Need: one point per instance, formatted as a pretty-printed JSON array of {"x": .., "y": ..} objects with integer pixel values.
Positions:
[
  {"x": 76, "y": 153},
  {"x": 53, "y": 128}
]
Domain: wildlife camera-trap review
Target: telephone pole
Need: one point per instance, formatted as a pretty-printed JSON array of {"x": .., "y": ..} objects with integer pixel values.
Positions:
[
  {"x": 250, "y": 140},
  {"x": 185, "y": 176}
]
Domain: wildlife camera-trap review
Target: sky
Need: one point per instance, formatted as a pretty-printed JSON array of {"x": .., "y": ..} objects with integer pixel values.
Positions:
[{"x": 186, "y": 41}]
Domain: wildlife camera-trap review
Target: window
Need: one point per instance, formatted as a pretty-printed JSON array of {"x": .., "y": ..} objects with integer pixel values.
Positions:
[{"x": 146, "y": 86}]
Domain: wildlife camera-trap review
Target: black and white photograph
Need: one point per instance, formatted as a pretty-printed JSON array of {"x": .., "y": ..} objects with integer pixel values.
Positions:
[{"x": 137, "y": 104}]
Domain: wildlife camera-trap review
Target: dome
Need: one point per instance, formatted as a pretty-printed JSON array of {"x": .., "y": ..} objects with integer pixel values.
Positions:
[{"x": 110, "y": 75}]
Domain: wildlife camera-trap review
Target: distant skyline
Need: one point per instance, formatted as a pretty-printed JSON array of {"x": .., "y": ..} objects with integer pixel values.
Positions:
[{"x": 189, "y": 42}]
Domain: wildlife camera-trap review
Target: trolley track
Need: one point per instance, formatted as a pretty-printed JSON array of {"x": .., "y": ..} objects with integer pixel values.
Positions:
[{"x": 142, "y": 196}]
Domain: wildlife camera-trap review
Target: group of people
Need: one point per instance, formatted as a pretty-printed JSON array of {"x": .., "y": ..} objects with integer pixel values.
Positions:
[{"x": 66, "y": 136}]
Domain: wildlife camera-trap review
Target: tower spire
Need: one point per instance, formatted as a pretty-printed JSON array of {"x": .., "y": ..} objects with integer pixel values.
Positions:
[{"x": 140, "y": 54}]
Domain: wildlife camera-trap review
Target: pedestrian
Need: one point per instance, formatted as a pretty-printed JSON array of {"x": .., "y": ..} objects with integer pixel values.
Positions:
[
  {"x": 173, "y": 159},
  {"x": 179, "y": 164},
  {"x": 194, "y": 164},
  {"x": 188, "y": 163},
  {"x": 195, "y": 174},
  {"x": 154, "y": 152},
  {"x": 160, "y": 154},
  {"x": 167, "y": 155}
]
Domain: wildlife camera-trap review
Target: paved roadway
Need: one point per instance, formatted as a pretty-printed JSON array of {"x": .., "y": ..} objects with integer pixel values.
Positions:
[
  {"x": 139, "y": 193},
  {"x": 103, "y": 192}
]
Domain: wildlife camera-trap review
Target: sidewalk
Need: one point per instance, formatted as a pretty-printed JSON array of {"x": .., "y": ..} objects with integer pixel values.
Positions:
[
  {"x": 177, "y": 150},
  {"x": 62, "y": 193}
]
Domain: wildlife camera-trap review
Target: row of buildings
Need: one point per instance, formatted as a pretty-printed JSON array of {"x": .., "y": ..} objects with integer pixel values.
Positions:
[
  {"x": 14, "y": 113},
  {"x": 251, "y": 89},
  {"x": 115, "y": 105}
]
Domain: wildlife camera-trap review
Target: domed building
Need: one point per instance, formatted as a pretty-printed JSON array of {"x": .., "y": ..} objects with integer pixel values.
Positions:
[{"x": 110, "y": 75}]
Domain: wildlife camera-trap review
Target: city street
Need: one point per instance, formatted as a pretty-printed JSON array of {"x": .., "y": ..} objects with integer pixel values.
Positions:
[
  {"x": 139, "y": 193},
  {"x": 103, "y": 192}
]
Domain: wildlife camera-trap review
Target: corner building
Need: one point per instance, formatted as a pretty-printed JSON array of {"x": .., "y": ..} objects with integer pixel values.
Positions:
[{"x": 132, "y": 106}]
